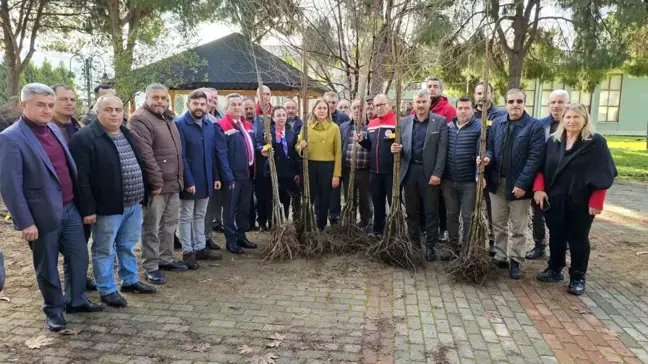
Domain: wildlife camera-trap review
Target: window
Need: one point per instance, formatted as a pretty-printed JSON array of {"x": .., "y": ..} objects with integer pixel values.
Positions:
[
  {"x": 610, "y": 99},
  {"x": 530, "y": 91},
  {"x": 581, "y": 97},
  {"x": 547, "y": 88}
]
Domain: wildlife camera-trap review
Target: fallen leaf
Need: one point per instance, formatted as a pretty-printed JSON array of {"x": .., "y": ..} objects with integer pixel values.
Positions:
[
  {"x": 244, "y": 349},
  {"x": 200, "y": 348},
  {"x": 609, "y": 332},
  {"x": 581, "y": 311},
  {"x": 39, "y": 342},
  {"x": 72, "y": 331},
  {"x": 270, "y": 358},
  {"x": 641, "y": 253},
  {"x": 5, "y": 298},
  {"x": 274, "y": 344},
  {"x": 277, "y": 336}
]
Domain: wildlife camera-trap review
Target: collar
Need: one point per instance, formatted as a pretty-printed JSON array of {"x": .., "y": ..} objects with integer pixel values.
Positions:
[
  {"x": 190, "y": 119},
  {"x": 427, "y": 118},
  {"x": 322, "y": 124}
]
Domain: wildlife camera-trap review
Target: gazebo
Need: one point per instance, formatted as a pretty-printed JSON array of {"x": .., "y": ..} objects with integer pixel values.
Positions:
[{"x": 227, "y": 65}]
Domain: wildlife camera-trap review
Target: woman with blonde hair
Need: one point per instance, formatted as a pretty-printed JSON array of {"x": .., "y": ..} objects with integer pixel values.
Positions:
[
  {"x": 324, "y": 158},
  {"x": 577, "y": 171}
]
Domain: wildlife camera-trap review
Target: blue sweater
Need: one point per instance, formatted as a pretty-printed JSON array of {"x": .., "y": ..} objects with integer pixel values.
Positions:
[
  {"x": 198, "y": 156},
  {"x": 463, "y": 149},
  {"x": 526, "y": 150}
]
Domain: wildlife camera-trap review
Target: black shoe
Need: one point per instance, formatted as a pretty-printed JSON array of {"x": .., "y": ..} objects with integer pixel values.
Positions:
[
  {"x": 515, "y": 271},
  {"x": 576, "y": 286},
  {"x": 138, "y": 287},
  {"x": 491, "y": 248},
  {"x": 500, "y": 263},
  {"x": 334, "y": 221},
  {"x": 246, "y": 244},
  {"x": 56, "y": 322},
  {"x": 233, "y": 248},
  {"x": 550, "y": 276},
  {"x": 90, "y": 284},
  {"x": 115, "y": 300},
  {"x": 176, "y": 242},
  {"x": 211, "y": 245},
  {"x": 536, "y": 253},
  {"x": 206, "y": 254},
  {"x": 86, "y": 307},
  {"x": 173, "y": 266},
  {"x": 430, "y": 254},
  {"x": 155, "y": 277},
  {"x": 189, "y": 259},
  {"x": 218, "y": 229},
  {"x": 252, "y": 228}
]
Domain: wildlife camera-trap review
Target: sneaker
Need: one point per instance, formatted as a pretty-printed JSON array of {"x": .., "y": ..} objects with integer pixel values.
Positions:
[
  {"x": 536, "y": 253},
  {"x": 576, "y": 287},
  {"x": 550, "y": 276}
]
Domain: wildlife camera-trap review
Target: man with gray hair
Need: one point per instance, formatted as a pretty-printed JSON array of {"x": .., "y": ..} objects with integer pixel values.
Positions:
[
  {"x": 38, "y": 180},
  {"x": 158, "y": 141},
  {"x": 112, "y": 186},
  {"x": 558, "y": 100}
]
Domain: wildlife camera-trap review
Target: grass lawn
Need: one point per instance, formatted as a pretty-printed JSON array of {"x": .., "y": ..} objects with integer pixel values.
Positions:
[{"x": 630, "y": 156}]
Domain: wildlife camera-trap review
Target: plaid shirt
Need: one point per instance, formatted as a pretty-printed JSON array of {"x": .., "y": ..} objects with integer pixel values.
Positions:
[{"x": 361, "y": 153}]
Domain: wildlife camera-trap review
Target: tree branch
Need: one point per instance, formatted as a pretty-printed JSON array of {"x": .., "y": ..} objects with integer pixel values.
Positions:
[{"x": 34, "y": 32}]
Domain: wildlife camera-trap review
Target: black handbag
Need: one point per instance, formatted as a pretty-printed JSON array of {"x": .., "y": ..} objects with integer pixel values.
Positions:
[{"x": 2, "y": 272}]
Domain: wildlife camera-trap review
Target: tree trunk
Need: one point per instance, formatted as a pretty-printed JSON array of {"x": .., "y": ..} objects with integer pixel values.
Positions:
[
  {"x": 516, "y": 62},
  {"x": 12, "y": 79}
]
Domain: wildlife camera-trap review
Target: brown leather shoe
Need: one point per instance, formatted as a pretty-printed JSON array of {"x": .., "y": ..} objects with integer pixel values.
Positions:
[
  {"x": 190, "y": 260},
  {"x": 207, "y": 254}
]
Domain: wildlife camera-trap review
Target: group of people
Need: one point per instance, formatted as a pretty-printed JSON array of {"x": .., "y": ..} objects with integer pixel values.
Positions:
[{"x": 155, "y": 176}]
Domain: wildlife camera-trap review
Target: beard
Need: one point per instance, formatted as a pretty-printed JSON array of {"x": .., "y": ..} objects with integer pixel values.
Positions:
[{"x": 197, "y": 114}]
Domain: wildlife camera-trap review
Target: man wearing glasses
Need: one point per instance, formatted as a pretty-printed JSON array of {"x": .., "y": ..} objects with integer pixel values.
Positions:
[{"x": 513, "y": 156}]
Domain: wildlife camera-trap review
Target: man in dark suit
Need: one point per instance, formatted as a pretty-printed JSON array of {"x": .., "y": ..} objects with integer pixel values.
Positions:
[
  {"x": 423, "y": 155},
  {"x": 38, "y": 186}
]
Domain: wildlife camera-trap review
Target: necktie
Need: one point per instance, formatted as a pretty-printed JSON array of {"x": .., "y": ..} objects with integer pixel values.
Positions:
[
  {"x": 281, "y": 139},
  {"x": 246, "y": 139}
]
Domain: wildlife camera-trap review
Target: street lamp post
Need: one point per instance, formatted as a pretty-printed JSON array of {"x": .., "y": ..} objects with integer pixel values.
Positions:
[{"x": 87, "y": 70}]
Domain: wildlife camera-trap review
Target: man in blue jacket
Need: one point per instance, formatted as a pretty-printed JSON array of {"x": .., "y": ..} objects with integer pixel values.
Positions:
[
  {"x": 484, "y": 100},
  {"x": 235, "y": 150},
  {"x": 558, "y": 100},
  {"x": 459, "y": 183},
  {"x": 513, "y": 156},
  {"x": 200, "y": 178},
  {"x": 38, "y": 184}
]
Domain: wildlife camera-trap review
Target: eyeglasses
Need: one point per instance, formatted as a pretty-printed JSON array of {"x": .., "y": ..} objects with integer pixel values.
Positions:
[{"x": 518, "y": 101}]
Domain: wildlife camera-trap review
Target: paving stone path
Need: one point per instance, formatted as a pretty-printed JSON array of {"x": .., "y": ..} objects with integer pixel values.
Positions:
[{"x": 347, "y": 310}]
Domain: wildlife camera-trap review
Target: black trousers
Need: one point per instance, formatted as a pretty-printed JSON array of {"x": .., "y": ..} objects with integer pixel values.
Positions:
[
  {"x": 569, "y": 225},
  {"x": 336, "y": 203},
  {"x": 288, "y": 190},
  {"x": 381, "y": 195},
  {"x": 321, "y": 178},
  {"x": 361, "y": 193},
  {"x": 236, "y": 204},
  {"x": 538, "y": 222},
  {"x": 417, "y": 188},
  {"x": 263, "y": 193}
]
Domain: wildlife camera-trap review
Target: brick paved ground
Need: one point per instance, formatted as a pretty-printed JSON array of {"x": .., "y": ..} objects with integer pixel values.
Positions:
[{"x": 344, "y": 310}]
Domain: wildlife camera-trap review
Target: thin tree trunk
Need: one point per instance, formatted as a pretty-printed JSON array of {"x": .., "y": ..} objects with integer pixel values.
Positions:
[{"x": 516, "y": 63}]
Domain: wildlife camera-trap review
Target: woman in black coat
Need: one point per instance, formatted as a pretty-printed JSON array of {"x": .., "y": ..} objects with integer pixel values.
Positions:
[
  {"x": 571, "y": 186},
  {"x": 285, "y": 156}
]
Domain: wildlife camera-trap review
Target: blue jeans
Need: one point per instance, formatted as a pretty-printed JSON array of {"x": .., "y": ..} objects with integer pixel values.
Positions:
[
  {"x": 116, "y": 234},
  {"x": 191, "y": 225},
  {"x": 68, "y": 240}
]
